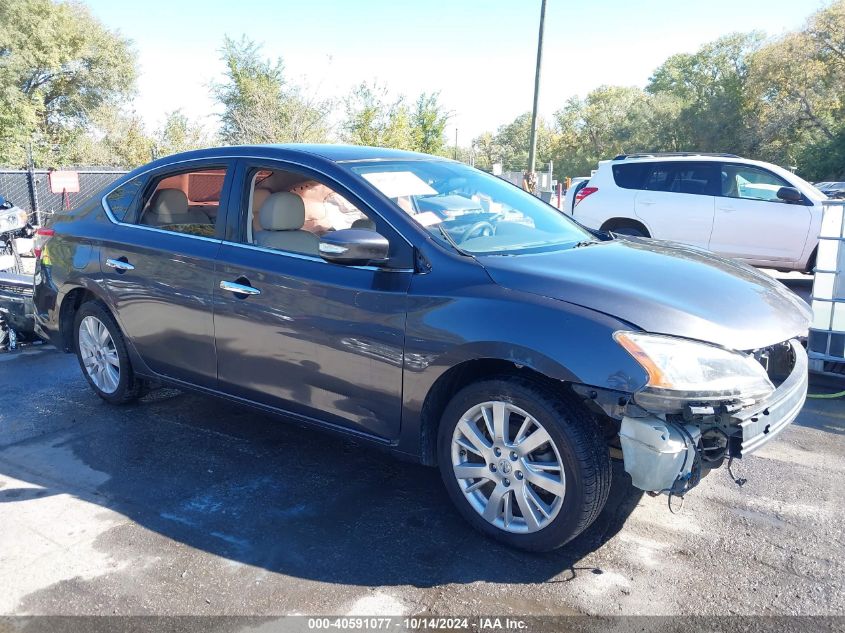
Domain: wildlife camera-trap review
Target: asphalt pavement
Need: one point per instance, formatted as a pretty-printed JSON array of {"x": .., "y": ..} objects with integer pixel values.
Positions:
[{"x": 183, "y": 504}]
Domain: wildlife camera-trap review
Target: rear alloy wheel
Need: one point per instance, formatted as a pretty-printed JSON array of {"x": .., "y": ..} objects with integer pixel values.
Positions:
[
  {"x": 102, "y": 355},
  {"x": 523, "y": 466},
  {"x": 98, "y": 354}
]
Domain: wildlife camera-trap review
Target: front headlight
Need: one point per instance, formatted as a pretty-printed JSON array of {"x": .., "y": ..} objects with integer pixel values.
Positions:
[
  {"x": 12, "y": 219},
  {"x": 680, "y": 371}
]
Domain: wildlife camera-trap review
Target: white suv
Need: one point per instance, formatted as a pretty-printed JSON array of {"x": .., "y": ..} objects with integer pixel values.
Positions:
[{"x": 748, "y": 210}]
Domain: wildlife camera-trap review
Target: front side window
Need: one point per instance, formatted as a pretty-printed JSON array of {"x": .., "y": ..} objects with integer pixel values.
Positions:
[
  {"x": 288, "y": 211},
  {"x": 186, "y": 202},
  {"x": 479, "y": 213},
  {"x": 751, "y": 183}
]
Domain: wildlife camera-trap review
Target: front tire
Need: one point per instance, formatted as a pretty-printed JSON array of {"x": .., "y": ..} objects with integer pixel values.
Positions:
[
  {"x": 522, "y": 465},
  {"x": 102, "y": 355}
]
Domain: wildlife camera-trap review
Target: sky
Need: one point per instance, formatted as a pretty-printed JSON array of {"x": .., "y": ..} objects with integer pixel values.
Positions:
[{"x": 479, "y": 54}]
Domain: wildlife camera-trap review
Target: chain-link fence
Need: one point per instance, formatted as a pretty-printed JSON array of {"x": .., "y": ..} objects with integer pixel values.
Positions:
[{"x": 30, "y": 190}]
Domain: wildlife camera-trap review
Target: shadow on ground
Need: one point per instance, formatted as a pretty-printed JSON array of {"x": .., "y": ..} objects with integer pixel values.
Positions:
[{"x": 294, "y": 501}]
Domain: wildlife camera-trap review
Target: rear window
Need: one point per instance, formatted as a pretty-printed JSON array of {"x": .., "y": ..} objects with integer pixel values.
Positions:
[{"x": 630, "y": 176}]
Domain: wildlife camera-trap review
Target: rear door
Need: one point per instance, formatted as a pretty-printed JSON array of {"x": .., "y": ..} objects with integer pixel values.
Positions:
[
  {"x": 320, "y": 340},
  {"x": 159, "y": 267},
  {"x": 752, "y": 223},
  {"x": 676, "y": 201}
]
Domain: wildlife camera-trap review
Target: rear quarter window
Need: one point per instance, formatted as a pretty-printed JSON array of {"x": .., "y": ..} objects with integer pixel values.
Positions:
[
  {"x": 630, "y": 176},
  {"x": 120, "y": 200}
]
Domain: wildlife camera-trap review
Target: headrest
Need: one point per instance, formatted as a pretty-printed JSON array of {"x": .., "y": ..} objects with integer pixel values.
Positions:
[
  {"x": 364, "y": 223},
  {"x": 169, "y": 202},
  {"x": 259, "y": 197},
  {"x": 282, "y": 211}
]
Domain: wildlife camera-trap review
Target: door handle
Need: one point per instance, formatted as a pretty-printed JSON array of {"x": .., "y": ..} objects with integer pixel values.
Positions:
[
  {"x": 121, "y": 265},
  {"x": 727, "y": 209},
  {"x": 646, "y": 203},
  {"x": 239, "y": 289}
]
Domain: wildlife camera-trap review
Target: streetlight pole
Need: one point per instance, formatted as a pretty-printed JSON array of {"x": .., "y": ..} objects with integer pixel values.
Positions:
[{"x": 532, "y": 148}]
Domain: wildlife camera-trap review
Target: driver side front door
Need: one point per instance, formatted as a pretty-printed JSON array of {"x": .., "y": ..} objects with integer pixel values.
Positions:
[{"x": 319, "y": 340}]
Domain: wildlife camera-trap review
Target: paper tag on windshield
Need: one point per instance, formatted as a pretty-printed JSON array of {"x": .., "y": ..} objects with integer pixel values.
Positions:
[
  {"x": 395, "y": 184},
  {"x": 427, "y": 218}
]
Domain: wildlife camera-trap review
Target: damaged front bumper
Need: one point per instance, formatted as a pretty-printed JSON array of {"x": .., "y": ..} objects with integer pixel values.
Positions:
[
  {"x": 670, "y": 452},
  {"x": 762, "y": 422}
]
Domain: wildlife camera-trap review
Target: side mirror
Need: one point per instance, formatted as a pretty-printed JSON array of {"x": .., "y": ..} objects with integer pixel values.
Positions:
[
  {"x": 790, "y": 194},
  {"x": 2, "y": 201},
  {"x": 354, "y": 247}
]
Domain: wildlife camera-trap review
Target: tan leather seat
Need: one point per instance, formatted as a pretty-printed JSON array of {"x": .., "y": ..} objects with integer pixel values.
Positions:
[
  {"x": 282, "y": 216},
  {"x": 259, "y": 197},
  {"x": 170, "y": 206}
]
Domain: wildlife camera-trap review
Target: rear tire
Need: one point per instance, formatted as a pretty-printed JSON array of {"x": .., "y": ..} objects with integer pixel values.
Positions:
[
  {"x": 557, "y": 485},
  {"x": 102, "y": 355}
]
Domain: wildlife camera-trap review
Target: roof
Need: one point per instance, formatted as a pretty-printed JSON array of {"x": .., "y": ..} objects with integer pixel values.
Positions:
[
  {"x": 685, "y": 158},
  {"x": 344, "y": 153},
  {"x": 335, "y": 153}
]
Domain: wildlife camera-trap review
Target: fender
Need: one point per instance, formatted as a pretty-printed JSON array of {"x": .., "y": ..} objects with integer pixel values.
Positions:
[{"x": 556, "y": 339}]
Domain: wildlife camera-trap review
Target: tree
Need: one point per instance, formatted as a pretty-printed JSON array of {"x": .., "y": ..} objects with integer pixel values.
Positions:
[
  {"x": 259, "y": 105},
  {"x": 179, "y": 134},
  {"x": 610, "y": 120},
  {"x": 797, "y": 91},
  {"x": 487, "y": 151},
  {"x": 58, "y": 66},
  {"x": 428, "y": 124},
  {"x": 709, "y": 90},
  {"x": 113, "y": 138},
  {"x": 373, "y": 119},
  {"x": 513, "y": 139}
]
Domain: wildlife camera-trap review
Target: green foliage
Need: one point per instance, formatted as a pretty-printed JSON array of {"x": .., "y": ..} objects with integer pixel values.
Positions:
[
  {"x": 708, "y": 88},
  {"x": 60, "y": 66},
  {"x": 428, "y": 124},
  {"x": 179, "y": 134},
  {"x": 260, "y": 105},
  {"x": 781, "y": 100},
  {"x": 373, "y": 118}
]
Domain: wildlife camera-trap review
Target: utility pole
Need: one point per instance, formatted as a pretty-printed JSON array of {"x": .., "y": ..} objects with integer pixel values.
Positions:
[
  {"x": 532, "y": 148},
  {"x": 456, "y": 143}
]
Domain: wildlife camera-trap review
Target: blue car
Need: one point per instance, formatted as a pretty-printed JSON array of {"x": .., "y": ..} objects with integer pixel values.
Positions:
[{"x": 432, "y": 310}]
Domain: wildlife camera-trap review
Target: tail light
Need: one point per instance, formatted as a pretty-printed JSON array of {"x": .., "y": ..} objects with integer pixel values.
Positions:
[
  {"x": 42, "y": 236},
  {"x": 585, "y": 191}
]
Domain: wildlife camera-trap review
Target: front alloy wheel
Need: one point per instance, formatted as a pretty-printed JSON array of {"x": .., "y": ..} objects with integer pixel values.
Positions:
[
  {"x": 508, "y": 467},
  {"x": 523, "y": 461}
]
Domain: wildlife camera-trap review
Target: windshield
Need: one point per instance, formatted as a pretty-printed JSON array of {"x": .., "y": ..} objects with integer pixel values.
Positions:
[{"x": 471, "y": 210}]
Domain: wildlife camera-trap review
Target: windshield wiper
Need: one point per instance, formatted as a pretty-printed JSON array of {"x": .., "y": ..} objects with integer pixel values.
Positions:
[{"x": 452, "y": 241}]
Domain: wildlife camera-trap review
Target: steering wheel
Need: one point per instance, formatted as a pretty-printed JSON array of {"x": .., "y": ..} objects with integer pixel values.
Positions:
[{"x": 479, "y": 229}]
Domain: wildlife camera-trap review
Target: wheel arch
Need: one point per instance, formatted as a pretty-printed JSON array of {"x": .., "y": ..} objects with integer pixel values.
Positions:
[
  {"x": 615, "y": 223},
  {"x": 70, "y": 304},
  {"x": 465, "y": 373}
]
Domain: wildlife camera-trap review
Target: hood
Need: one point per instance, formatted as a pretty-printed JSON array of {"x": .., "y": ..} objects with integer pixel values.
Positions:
[{"x": 664, "y": 288}]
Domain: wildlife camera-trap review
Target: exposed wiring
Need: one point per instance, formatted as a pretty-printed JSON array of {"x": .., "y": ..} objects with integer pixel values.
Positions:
[
  {"x": 739, "y": 481},
  {"x": 824, "y": 396}
]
